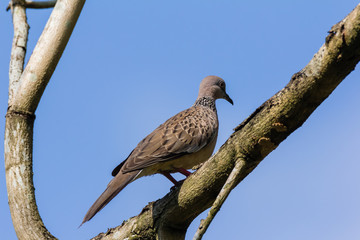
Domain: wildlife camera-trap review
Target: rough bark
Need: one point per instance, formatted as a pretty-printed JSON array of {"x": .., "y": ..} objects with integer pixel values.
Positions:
[
  {"x": 25, "y": 90},
  {"x": 253, "y": 139},
  {"x": 18, "y": 50}
]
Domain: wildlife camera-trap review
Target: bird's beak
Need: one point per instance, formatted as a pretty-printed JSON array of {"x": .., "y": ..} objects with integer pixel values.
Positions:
[{"x": 227, "y": 98}]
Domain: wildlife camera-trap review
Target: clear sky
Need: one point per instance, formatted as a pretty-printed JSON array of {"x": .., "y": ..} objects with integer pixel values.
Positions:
[{"x": 130, "y": 65}]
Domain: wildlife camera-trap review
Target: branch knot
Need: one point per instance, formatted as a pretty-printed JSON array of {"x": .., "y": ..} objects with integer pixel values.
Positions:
[{"x": 22, "y": 114}]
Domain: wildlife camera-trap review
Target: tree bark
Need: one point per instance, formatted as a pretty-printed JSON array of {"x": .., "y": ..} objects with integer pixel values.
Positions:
[
  {"x": 25, "y": 91},
  {"x": 18, "y": 50},
  {"x": 252, "y": 140}
]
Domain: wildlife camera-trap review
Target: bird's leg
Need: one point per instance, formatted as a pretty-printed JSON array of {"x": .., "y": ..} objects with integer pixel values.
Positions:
[
  {"x": 183, "y": 171},
  {"x": 168, "y": 176}
]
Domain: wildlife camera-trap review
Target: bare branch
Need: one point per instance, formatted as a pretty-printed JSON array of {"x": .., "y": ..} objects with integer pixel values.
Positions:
[
  {"x": 24, "y": 132},
  {"x": 253, "y": 139},
  {"x": 46, "y": 54},
  {"x": 18, "y": 50},
  {"x": 24, "y": 96},
  {"x": 230, "y": 184},
  {"x": 38, "y": 5},
  {"x": 33, "y": 4}
]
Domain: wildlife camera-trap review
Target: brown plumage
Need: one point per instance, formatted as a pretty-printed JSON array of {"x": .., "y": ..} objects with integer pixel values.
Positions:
[{"x": 183, "y": 141}]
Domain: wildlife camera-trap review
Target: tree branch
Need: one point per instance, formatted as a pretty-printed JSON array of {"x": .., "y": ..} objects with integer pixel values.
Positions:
[
  {"x": 230, "y": 184},
  {"x": 253, "y": 139},
  {"x": 33, "y": 4},
  {"x": 24, "y": 133},
  {"x": 46, "y": 54},
  {"x": 18, "y": 50},
  {"x": 24, "y": 95}
]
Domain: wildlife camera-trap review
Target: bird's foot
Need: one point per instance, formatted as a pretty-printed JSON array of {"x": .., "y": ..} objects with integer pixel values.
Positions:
[
  {"x": 171, "y": 178},
  {"x": 183, "y": 171}
]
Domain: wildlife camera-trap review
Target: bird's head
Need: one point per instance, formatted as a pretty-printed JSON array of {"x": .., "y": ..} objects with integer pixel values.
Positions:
[{"x": 214, "y": 87}]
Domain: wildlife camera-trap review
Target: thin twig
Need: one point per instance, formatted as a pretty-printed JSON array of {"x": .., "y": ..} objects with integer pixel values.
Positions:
[
  {"x": 33, "y": 4},
  {"x": 230, "y": 183}
]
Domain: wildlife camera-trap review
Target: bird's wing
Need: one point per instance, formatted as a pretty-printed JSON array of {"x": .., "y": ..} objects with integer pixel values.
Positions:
[{"x": 185, "y": 133}]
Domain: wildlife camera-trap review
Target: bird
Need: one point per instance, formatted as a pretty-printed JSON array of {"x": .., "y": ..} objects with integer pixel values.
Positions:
[{"x": 180, "y": 143}]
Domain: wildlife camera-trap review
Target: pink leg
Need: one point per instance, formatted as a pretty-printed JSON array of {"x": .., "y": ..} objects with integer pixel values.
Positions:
[
  {"x": 168, "y": 176},
  {"x": 183, "y": 171}
]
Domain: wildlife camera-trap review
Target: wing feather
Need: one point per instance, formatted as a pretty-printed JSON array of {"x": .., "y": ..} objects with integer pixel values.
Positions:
[{"x": 187, "y": 132}]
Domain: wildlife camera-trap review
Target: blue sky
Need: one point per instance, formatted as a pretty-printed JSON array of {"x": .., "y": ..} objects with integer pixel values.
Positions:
[{"x": 130, "y": 65}]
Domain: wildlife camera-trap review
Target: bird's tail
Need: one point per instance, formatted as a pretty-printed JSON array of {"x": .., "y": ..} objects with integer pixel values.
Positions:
[{"x": 113, "y": 188}]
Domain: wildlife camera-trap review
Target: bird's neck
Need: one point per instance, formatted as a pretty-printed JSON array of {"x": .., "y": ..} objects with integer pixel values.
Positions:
[{"x": 206, "y": 102}]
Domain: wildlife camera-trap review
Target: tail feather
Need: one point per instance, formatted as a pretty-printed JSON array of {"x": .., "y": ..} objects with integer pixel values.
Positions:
[{"x": 114, "y": 187}]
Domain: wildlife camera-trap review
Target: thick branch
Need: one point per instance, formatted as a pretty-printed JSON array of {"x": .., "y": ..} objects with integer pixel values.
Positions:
[
  {"x": 18, "y": 167},
  {"x": 24, "y": 96},
  {"x": 254, "y": 139}
]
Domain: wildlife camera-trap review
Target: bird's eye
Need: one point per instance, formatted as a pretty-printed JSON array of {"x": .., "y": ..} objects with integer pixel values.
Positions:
[{"x": 222, "y": 85}]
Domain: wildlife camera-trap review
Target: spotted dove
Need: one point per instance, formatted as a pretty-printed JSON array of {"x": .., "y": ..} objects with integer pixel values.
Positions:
[{"x": 182, "y": 142}]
